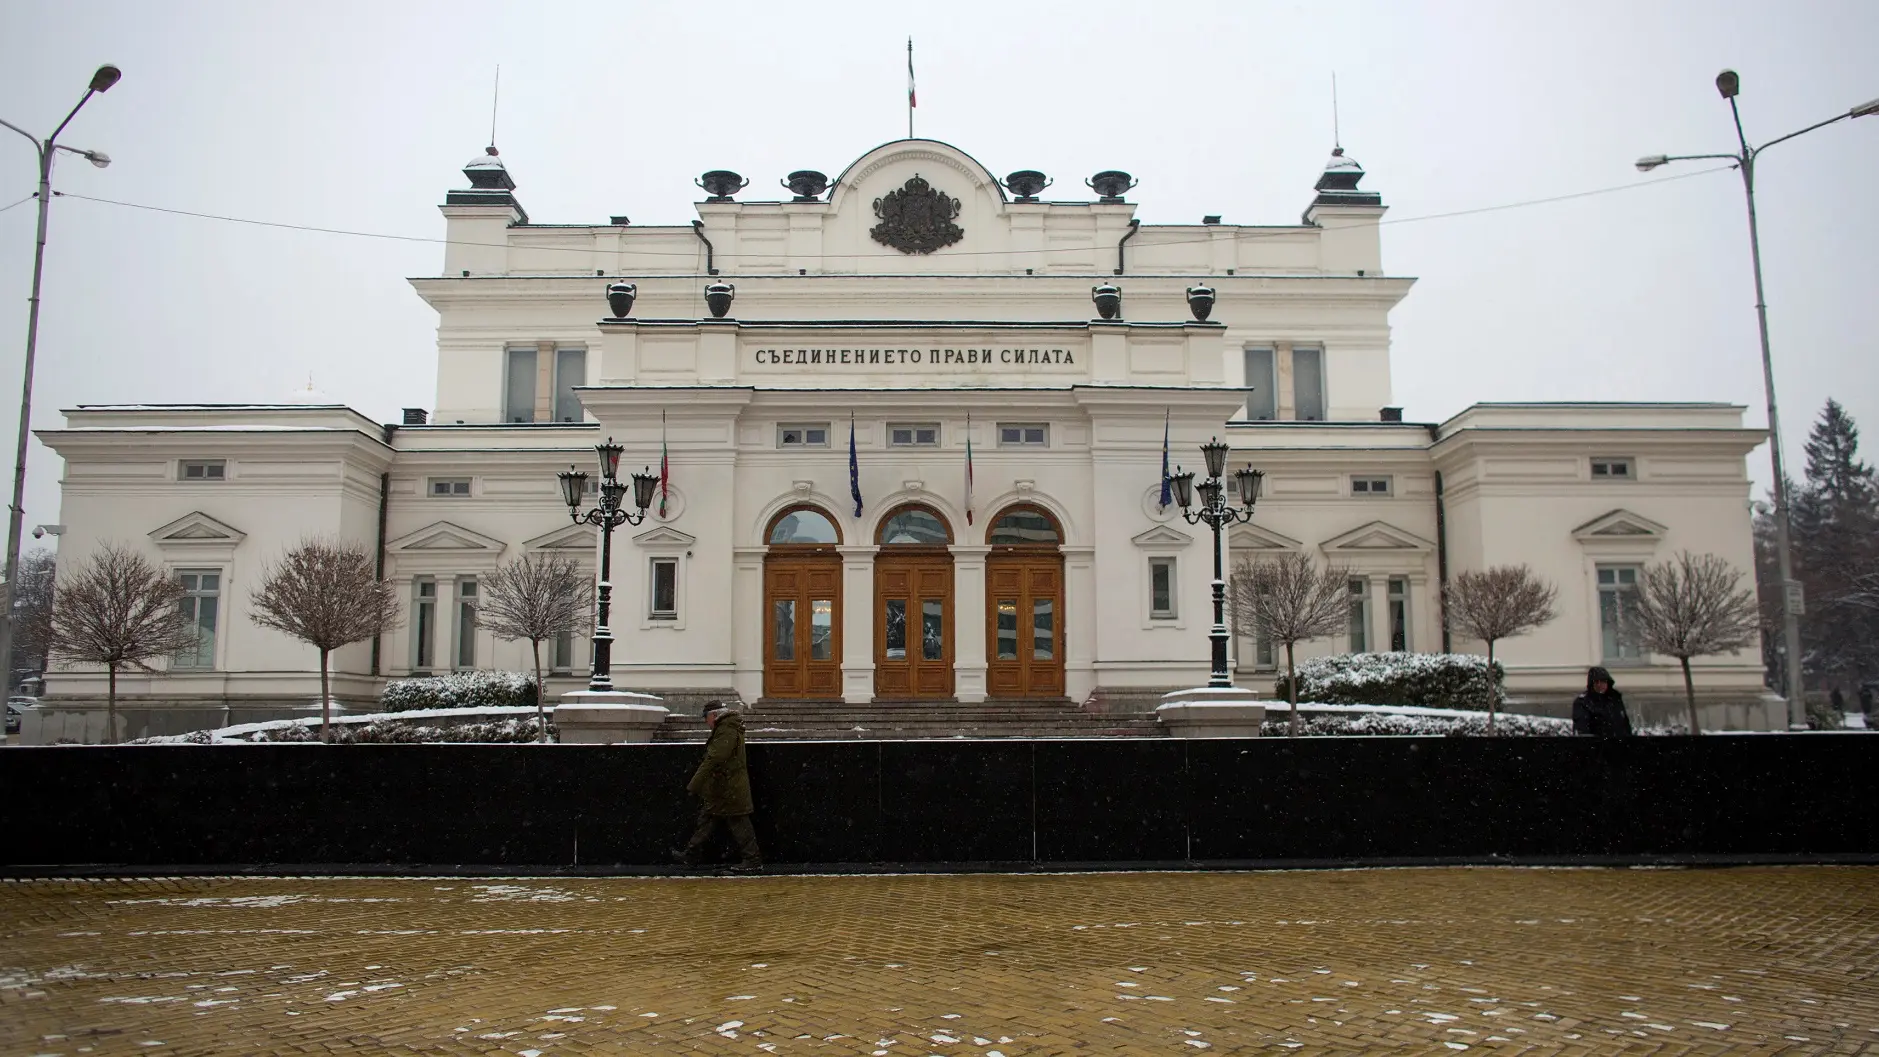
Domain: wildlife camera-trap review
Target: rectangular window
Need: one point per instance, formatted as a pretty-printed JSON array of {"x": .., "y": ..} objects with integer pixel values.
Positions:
[
  {"x": 913, "y": 435},
  {"x": 202, "y": 470},
  {"x": 1161, "y": 589},
  {"x": 783, "y": 629},
  {"x": 821, "y": 629},
  {"x": 570, "y": 371},
  {"x": 1370, "y": 486},
  {"x": 449, "y": 487},
  {"x": 518, "y": 399},
  {"x": 1612, "y": 470},
  {"x": 466, "y": 623},
  {"x": 201, "y": 604},
  {"x": 424, "y": 625},
  {"x": 1023, "y": 435},
  {"x": 1263, "y": 654},
  {"x": 932, "y": 630},
  {"x": 665, "y": 589},
  {"x": 1262, "y": 394},
  {"x": 896, "y": 628},
  {"x": 1007, "y": 644},
  {"x": 1399, "y": 614},
  {"x": 1617, "y": 612},
  {"x": 1308, "y": 384},
  {"x": 1360, "y": 615},
  {"x": 802, "y": 435},
  {"x": 562, "y": 660},
  {"x": 1043, "y": 629}
]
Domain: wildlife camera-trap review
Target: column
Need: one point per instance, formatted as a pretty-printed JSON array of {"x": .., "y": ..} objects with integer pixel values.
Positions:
[
  {"x": 747, "y": 625},
  {"x": 969, "y": 622},
  {"x": 857, "y": 623},
  {"x": 1081, "y": 604},
  {"x": 1378, "y": 589},
  {"x": 394, "y": 657}
]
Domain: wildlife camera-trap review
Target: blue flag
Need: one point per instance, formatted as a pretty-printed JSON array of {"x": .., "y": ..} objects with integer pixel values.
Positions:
[
  {"x": 854, "y": 467},
  {"x": 1167, "y": 495}
]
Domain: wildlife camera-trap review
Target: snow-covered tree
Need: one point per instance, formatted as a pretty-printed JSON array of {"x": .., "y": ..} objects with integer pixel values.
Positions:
[{"x": 1498, "y": 603}]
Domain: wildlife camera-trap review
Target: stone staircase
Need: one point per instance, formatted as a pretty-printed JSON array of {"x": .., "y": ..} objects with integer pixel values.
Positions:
[{"x": 790, "y": 720}]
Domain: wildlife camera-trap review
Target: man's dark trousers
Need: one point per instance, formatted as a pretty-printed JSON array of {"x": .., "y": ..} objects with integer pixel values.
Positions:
[{"x": 742, "y": 832}]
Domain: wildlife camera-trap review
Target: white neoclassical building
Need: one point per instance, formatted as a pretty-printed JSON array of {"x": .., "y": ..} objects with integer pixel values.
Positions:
[{"x": 927, "y": 310}]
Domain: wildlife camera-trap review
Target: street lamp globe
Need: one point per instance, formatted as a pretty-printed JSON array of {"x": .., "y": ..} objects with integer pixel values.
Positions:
[
  {"x": 1250, "y": 481},
  {"x": 609, "y": 459},
  {"x": 1652, "y": 161},
  {"x": 1183, "y": 487},
  {"x": 573, "y": 487},
  {"x": 644, "y": 482},
  {"x": 106, "y": 76},
  {"x": 1728, "y": 83},
  {"x": 98, "y": 158},
  {"x": 1216, "y": 454}
]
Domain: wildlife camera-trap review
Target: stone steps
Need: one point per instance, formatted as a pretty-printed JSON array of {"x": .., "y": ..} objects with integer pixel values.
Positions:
[{"x": 920, "y": 720}]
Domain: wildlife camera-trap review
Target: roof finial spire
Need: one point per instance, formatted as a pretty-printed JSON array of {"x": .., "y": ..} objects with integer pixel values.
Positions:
[
  {"x": 1337, "y": 140},
  {"x": 495, "y": 97}
]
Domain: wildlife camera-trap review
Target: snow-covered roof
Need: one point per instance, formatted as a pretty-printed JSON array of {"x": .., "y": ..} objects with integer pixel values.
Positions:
[
  {"x": 1341, "y": 162},
  {"x": 489, "y": 159}
]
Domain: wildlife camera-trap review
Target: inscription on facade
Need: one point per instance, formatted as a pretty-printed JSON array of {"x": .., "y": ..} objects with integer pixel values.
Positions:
[{"x": 940, "y": 359}]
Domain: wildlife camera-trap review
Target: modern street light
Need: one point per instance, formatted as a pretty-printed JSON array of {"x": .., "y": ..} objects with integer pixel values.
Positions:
[
  {"x": 101, "y": 81},
  {"x": 1729, "y": 84},
  {"x": 1216, "y": 511},
  {"x": 608, "y": 514}
]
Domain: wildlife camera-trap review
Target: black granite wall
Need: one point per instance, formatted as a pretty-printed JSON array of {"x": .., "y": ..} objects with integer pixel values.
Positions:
[{"x": 1270, "y": 800}]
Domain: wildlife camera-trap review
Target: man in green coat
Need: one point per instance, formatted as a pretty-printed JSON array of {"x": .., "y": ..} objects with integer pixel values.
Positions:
[{"x": 723, "y": 784}]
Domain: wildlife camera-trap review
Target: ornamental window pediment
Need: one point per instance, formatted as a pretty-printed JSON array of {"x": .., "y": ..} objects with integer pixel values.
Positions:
[
  {"x": 1376, "y": 537},
  {"x": 576, "y": 539},
  {"x": 197, "y": 536},
  {"x": 1259, "y": 538}
]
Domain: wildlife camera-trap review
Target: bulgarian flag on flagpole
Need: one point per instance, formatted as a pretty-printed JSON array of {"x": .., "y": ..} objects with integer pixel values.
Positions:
[
  {"x": 968, "y": 468},
  {"x": 665, "y": 468}
]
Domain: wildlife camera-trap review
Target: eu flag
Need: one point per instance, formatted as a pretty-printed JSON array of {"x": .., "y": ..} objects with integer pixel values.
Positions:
[{"x": 854, "y": 467}]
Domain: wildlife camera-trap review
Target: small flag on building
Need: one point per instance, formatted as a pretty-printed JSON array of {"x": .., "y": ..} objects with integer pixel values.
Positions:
[
  {"x": 968, "y": 469},
  {"x": 1167, "y": 493},
  {"x": 665, "y": 469},
  {"x": 910, "y": 97},
  {"x": 854, "y": 466}
]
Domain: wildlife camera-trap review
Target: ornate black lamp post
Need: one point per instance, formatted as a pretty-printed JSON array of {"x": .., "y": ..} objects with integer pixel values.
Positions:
[
  {"x": 608, "y": 515},
  {"x": 1216, "y": 511}
]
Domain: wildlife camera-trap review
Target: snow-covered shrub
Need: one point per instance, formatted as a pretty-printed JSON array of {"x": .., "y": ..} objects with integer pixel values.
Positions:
[
  {"x": 1430, "y": 680},
  {"x": 459, "y": 690},
  {"x": 520, "y": 729},
  {"x": 1460, "y": 724}
]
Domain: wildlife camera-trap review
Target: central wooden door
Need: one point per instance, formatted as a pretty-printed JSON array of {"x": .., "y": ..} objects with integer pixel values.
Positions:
[
  {"x": 1024, "y": 625},
  {"x": 802, "y": 607},
  {"x": 913, "y": 606}
]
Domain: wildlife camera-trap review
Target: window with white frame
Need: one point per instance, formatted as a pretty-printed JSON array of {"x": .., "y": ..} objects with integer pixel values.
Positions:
[
  {"x": 202, "y": 470},
  {"x": 1399, "y": 613},
  {"x": 201, "y": 605},
  {"x": 913, "y": 434},
  {"x": 562, "y": 659},
  {"x": 466, "y": 623},
  {"x": 1359, "y": 589},
  {"x": 1308, "y": 403},
  {"x": 1371, "y": 485},
  {"x": 1262, "y": 381},
  {"x": 1162, "y": 597},
  {"x": 1023, "y": 435},
  {"x": 664, "y": 582},
  {"x": 518, "y": 390},
  {"x": 570, "y": 371},
  {"x": 1618, "y": 612},
  {"x": 423, "y": 624},
  {"x": 449, "y": 487},
  {"x": 802, "y": 435},
  {"x": 1613, "y": 469}
]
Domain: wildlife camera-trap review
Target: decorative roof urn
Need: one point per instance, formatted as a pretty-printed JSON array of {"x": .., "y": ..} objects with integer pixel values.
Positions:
[
  {"x": 1026, "y": 183},
  {"x": 807, "y": 185},
  {"x": 721, "y": 184},
  {"x": 718, "y": 297},
  {"x": 1108, "y": 298},
  {"x": 620, "y": 299},
  {"x": 1111, "y": 184},
  {"x": 1200, "y": 301}
]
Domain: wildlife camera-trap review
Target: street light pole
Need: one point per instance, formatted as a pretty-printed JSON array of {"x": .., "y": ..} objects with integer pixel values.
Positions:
[
  {"x": 1217, "y": 514},
  {"x": 1729, "y": 84},
  {"x": 607, "y": 515},
  {"x": 101, "y": 81}
]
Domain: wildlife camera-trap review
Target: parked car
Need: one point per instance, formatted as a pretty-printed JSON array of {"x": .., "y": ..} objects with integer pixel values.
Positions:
[{"x": 16, "y": 707}]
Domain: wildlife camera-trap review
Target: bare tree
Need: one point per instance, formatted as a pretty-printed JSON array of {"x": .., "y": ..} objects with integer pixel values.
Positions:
[
  {"x": 1499, "y": 603},
  {"x": 537, "y": 597},
  {"x": 119, "y": 609},
  {"x": 1693, "y": 606},
  {"x": 1288, "y": 599},
  {"x": 326, "y": 594},
  {"x": 33, "y": 593}
]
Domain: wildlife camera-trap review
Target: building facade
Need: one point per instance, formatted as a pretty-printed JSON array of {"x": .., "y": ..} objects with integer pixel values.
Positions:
[{"x": 922, "y": 336}]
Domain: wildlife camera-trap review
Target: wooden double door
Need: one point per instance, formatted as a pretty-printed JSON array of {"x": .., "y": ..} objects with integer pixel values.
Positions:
[
  {"x": 802, "y": 627},
  {"x": 913, "y": 625},
  {"x": 1024, "y": 625}
]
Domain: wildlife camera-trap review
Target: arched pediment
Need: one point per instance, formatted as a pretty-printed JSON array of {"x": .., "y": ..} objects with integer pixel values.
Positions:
[{"x": 931, "y": 153}]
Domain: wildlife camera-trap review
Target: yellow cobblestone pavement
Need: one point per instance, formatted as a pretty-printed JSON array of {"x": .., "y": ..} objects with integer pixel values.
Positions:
[{"x": 1746, "y": 960}]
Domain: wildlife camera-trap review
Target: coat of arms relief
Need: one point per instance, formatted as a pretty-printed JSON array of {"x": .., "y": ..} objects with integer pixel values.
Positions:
[{"x": 917, "y": 218}]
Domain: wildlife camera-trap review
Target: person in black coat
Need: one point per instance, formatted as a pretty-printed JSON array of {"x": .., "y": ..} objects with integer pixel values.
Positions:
[{"x": 1600, "y": 711}]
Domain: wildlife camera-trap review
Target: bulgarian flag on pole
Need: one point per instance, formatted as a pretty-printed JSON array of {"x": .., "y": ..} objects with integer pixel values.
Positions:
[
  {"x": 968, "y": 468},
  {"x": 665, "y": 468}
]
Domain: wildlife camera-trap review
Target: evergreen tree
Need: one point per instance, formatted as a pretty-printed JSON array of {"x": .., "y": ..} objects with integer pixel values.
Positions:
[{"x": 1835, "y": 517}]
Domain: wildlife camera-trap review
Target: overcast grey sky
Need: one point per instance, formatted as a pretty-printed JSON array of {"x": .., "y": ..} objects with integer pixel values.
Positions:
[{"x": 360, "y": 116}]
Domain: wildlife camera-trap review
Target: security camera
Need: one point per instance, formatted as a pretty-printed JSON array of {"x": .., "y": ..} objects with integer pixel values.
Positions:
[{"x": 39, "y": 532}]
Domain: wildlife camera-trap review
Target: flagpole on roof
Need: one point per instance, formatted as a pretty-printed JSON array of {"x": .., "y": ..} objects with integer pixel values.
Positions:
[{"x": 911, "y": 103}]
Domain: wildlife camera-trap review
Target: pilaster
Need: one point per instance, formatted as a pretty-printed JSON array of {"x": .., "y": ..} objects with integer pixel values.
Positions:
[
  {"x": 969, "y": 678},
  {"x": 857, "y": 623}
]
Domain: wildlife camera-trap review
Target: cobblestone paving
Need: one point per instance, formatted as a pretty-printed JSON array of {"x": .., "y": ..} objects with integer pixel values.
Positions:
[{"x": 1429, "y": 960}]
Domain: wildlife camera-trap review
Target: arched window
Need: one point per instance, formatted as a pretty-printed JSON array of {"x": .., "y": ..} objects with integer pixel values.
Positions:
[
  {"x": 803, "y": 525},
  {"x": 914, "y": 525},
  {"x": 1023, "y": 526}
]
